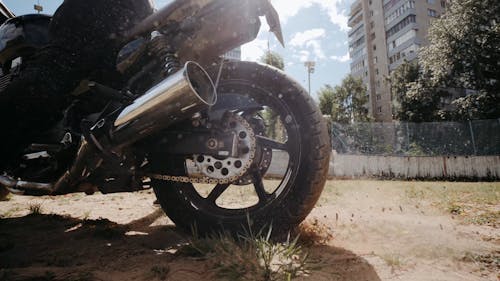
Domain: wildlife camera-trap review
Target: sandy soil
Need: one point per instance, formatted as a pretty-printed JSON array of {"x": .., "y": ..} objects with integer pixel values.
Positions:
[{"x": 381, "y": 231}]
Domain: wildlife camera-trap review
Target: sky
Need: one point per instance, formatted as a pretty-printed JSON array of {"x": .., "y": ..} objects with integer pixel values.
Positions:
[{"x": 313, "y": 29}]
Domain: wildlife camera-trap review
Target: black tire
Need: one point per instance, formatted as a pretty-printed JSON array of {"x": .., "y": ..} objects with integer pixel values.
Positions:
[{"x": 302, "y": 190}]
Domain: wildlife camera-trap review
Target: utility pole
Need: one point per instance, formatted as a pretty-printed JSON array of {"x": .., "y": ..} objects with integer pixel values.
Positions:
[
  {"x": 310, "y": 65},
  {"x": 38, "y": 7}
]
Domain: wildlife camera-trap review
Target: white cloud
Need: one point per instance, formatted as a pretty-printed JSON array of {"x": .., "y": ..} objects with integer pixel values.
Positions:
[
  {"x": 344, "y": 58},
  {"x": 307, "y": 42},
  {"x": 290, "y": 8},
  {"x": 303, "y": 55},
  {"x": 316, "y": 46},
  {"x": 302, "y": 38}
]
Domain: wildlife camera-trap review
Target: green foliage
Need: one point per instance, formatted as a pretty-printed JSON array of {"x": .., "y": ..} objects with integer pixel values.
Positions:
[
  {"x": 462, "y": 57},
  {"x": 326, "y": 99},
  {"x": 414, "y": 98},
  {"x": 273, "y": 59},
  {"x": 481, "y": 105},
  {"x": 273, "y": 125},
  {"x": 249, "y": 257},
  {"x": 464, "y": 53},
  {"x": 421, "y": 103},
  {"x": 345, "y": 103}
]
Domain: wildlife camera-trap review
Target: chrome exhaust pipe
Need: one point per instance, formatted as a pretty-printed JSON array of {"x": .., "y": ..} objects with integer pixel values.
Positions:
[
  {"x": 176, "y": 98},
  {"x": 15, "y": 186}
]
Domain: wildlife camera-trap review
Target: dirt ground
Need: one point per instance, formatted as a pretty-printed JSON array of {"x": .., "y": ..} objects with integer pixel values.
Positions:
[{"x": 379, "y": 230}]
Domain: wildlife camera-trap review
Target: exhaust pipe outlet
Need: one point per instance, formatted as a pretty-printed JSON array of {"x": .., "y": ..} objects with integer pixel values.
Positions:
[{"x": 176, "y": 98}]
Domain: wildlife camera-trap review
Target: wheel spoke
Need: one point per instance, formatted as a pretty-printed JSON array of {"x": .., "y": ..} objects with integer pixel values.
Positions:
[
  {"x": 217, "y": 192},
  {"x": 270, "y": 143},
  {"x": 259, "y": 186}
]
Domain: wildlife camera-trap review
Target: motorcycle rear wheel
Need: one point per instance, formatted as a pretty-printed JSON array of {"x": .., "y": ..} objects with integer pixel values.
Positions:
[{"x": 307, "y": 146}]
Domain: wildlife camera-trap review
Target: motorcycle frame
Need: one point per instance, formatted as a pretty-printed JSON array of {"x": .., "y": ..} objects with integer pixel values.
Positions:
[{"x": 195, "y": 39}]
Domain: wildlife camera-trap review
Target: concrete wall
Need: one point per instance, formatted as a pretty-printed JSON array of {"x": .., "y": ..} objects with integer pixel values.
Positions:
[{"x": 439, "y": 167}]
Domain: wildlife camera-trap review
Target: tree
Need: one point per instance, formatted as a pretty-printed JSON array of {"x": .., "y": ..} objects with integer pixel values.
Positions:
[
  {"x": 414, "y": 98},
  {"x": 326, "y": 97},
  {"x": 421, "y": 103},
  {"x": 345, "y": 103},
  {"x": 273, "y": 59},
  {"x": 464, "y": 53},
  {"x": 400, "y": 79}
]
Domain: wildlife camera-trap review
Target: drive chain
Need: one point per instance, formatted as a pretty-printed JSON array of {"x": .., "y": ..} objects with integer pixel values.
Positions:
[{"x": 208, "y": 180}]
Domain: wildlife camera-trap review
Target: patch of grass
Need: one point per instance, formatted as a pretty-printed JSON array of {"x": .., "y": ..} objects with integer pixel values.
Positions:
[
  {"x": 10, "y": 212},
  {"x": 455, "y": 209},
  {"x": 415, "y": 193},
  {"x": 249, "y": 256},
  {"x": 490, "y": 218},
  {"x": 315, "y": 233},
  {"x": 160, "y": 272},
  {"x": 86, "y": 215},
  {"x": 35, "y": 209},
  {"x": 471, "y": 201},
  {"x": 393, "y": 260},
  {"x": 490, "y": 261}
]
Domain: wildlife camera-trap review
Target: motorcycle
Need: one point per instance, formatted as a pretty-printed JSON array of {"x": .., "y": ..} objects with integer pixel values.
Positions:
[{"x": 191, "y": 125}]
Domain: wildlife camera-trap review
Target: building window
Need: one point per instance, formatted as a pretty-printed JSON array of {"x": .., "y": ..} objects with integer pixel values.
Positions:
[
  {"x": 400, "y": 11},
  {"x": 374, "y": 47},
  {"x": 432, "y": 2},
  {"x": 376, "y": 71},
  {"x": 379, "y": 97},
  {"x": 443, "y": 4},
  {"x": 400, "y": 25},
  {"x": 432, "y": 13},
  {"x": 372, "y": 25},
  {"x": 375, "y": 60},
  {"x": 370, "y": 2},
  {"x": 380, "y": 109},
  {"x": 410, "y": 34},
  {"x": 371, "y": 13},
  {"x": 372, "y": 36}
]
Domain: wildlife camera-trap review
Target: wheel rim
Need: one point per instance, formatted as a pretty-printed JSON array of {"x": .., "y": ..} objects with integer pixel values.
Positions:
[{"x": 266, "y": 192}]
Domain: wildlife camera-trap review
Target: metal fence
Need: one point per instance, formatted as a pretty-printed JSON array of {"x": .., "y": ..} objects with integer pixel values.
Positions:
[{"x": 476, "y": 137}]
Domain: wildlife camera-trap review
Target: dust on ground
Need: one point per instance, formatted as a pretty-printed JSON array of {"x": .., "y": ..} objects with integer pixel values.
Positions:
[{"x": 369, "y": 230}]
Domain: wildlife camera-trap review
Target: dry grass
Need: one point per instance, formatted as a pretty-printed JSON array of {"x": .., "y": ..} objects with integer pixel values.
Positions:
[
  {"x": 249, "y": 257},
  {"x": 315, "y": 233},
  {"x": 35, "y": 208}
]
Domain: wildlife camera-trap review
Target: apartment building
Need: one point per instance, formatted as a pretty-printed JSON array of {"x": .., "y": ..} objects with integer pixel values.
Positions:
[{"x": 383, "y": 34}]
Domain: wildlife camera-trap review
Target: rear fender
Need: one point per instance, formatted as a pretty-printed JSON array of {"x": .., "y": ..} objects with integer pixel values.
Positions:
[{"x": 202, "y": 30}]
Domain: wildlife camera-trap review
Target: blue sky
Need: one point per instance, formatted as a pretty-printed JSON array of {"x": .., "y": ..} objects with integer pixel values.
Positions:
[{"x": 313, "y": 29}]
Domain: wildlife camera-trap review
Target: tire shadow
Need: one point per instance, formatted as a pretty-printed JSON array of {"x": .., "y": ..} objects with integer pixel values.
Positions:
[
  {"x": 338, "y": 264},
  {"x": 53, "y": 247}
]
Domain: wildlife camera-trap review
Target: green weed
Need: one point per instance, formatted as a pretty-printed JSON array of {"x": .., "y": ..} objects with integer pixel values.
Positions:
[{"x": 35, "y": 209}]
